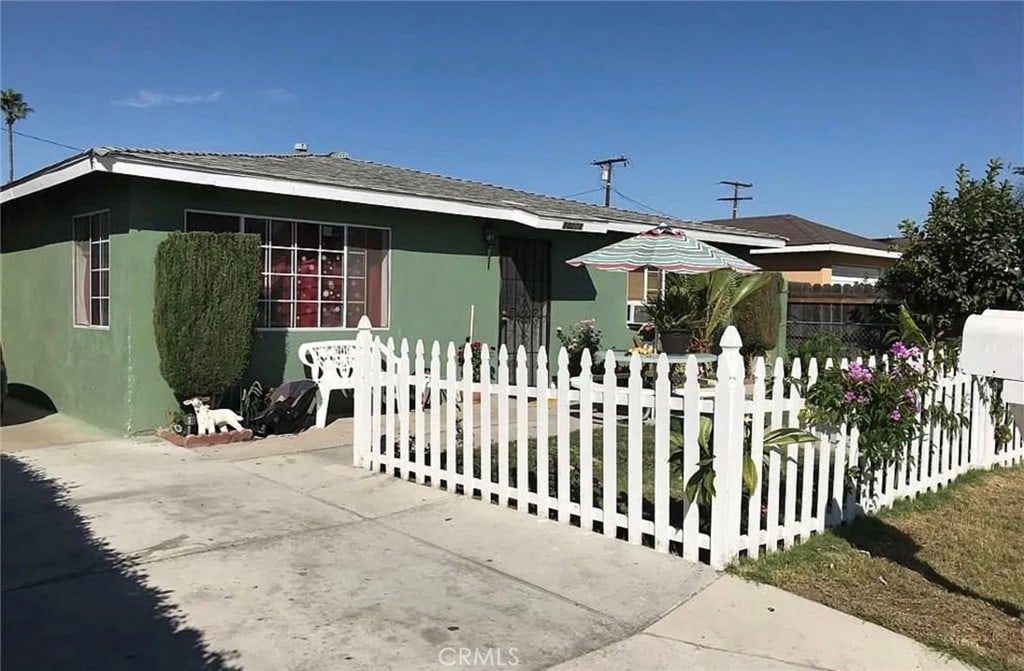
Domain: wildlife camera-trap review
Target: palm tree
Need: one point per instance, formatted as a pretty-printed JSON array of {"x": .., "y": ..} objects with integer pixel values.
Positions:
[
  {"x": 14, "y": 108},
  {"x": 714, "y": 299}
]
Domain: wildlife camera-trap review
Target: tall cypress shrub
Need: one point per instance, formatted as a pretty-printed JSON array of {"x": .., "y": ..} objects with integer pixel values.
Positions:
[
  {"x": 757, "y": 318},
  {"x": 204, "y": 313}
]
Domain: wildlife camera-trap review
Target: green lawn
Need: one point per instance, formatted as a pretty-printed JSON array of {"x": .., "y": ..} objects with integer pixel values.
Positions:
[{"x": 946, "y": 569}]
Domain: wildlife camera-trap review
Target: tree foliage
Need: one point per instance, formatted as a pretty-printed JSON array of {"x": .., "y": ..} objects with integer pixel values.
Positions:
[
  {"x": 204, "y": 313},
  {"x": 14, "y": 109},
  {"x": 13, "y": 106},
  {"x": 966, "y": 257}
]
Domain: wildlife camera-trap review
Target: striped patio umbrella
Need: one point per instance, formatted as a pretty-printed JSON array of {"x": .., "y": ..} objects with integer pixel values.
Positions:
[{"x": 662, "y": 248}]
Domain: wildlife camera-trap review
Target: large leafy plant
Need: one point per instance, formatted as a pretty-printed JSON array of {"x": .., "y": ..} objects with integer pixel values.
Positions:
[
  {"x": 700, "y": 487},
  {"x": 714, "y": 299},
  {"x": 672, "y": 311}
]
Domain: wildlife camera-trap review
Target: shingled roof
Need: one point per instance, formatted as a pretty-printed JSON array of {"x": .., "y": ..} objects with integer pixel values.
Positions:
[
  {"x": 338, "y": 170},
  {"x": 799, "y": 231}
]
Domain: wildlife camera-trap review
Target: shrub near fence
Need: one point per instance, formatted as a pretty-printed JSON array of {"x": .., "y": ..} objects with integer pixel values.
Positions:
[{"x": 600, "y": 460}]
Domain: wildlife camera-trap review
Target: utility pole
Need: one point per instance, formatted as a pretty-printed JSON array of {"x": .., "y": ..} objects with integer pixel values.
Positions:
[
  {"x": 606, "y": 166},
  {"x": 736, "y": 197}
]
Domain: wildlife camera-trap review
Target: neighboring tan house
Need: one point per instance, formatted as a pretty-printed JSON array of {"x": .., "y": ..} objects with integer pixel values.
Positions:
[
  {"x": 814, "y": 252},
  {"x": 342, "y": 238}
]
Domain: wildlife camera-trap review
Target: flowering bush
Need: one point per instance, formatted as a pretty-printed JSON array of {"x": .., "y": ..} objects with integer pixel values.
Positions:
[
  {"x": 884, "y": 404},
  {"x": 583, "y": 335},
  {"x": 475, "y": 360}
]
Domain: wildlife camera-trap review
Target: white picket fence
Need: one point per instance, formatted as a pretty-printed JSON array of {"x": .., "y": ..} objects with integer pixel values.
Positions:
[{"x": 600, "y": 460}]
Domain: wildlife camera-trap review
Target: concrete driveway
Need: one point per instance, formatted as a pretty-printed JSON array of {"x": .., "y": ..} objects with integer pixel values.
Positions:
[{"x": 121, "y": 554}]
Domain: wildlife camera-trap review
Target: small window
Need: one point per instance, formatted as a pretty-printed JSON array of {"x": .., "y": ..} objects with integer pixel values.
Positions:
[
  {"x": 92, "y": 269},
  {"x": 643, "y": 285}
]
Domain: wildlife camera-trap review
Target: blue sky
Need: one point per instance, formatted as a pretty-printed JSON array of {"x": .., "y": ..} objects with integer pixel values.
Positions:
[{"x": 847, "y": 113}]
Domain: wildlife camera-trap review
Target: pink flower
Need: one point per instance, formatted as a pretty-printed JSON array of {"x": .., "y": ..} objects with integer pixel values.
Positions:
[
  {"x": 860, "y": 373},
  {"x": 895, "y": 415},
  {"x": 850, "y": 396},
  {"x": 899, "y": 350}
]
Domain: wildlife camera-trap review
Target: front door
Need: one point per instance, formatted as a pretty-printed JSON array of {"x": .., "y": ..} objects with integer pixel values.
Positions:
[{"x": 524, "y": 303}]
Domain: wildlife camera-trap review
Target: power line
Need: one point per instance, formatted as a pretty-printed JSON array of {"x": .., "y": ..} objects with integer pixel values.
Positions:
[
  {"x": 583, "y": 193},
  {"x": 646, "y": 207},
  {"x": 43, "y": 139}
]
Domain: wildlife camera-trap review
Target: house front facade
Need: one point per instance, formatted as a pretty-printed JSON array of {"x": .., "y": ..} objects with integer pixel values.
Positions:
[{"x": 425, "y": 257}]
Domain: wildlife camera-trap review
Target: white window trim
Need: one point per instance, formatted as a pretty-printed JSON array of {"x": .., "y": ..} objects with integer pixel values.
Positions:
[
  {"x": 647, "y": 293},
  {"x": 311, "y": 329},
  {"x": 74, "y": 252},
  {"x": 630, "y": 305}
]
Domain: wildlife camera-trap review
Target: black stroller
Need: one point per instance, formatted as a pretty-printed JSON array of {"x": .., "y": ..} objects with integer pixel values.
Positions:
[{"x": 288, "y": 410}]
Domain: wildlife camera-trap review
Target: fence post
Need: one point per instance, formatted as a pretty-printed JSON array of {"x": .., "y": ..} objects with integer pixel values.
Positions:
[
  {"x": 362, "y": 402},
  {"x": 780, "y": 344},
  {"x": 728, "y": 451}
]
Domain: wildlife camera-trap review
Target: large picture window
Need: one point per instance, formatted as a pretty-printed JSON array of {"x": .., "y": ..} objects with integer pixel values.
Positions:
[
  {"x": 92, "y": 269},
  {"x": 314, "y": 275}
]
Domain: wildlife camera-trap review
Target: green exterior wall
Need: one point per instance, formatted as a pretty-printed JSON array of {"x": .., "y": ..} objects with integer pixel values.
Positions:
[
  {"x": 85, "y": 372},
  {"x": 439, "y": 268}
]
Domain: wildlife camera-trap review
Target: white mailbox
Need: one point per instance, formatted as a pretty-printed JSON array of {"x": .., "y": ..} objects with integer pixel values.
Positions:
[{"x": 993, "y": 346}]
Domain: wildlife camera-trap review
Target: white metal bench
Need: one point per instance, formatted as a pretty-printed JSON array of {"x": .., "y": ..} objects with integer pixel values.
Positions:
[{"x": 332, "y": 366}]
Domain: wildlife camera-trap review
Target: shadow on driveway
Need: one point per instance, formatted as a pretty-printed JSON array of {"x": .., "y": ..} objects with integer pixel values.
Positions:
[{"x": 71, "y": 602}]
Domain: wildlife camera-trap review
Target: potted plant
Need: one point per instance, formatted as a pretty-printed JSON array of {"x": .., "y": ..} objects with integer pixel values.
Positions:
[
  {"x": 712, "y": 301},
  {"x": 672, "y": 316}
]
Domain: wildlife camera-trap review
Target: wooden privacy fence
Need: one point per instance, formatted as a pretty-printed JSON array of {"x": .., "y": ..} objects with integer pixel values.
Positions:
[
  {"x": 589, "y": 452},
  {"x": 853, "y": 314}
]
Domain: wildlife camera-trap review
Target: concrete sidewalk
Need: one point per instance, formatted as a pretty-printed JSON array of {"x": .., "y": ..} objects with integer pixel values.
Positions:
[{"x": 123, "y": 554}]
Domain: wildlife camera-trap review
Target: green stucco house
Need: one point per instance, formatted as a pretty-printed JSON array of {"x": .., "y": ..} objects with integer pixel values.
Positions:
[{"x": 341, "y": 238}]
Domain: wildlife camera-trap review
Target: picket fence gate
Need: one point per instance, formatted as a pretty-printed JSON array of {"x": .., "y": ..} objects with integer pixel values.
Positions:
[{"x": 609, "y": 473}]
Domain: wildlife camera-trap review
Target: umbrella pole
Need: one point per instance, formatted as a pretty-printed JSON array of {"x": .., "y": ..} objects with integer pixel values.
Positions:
[{"x": 662, "y": 283}]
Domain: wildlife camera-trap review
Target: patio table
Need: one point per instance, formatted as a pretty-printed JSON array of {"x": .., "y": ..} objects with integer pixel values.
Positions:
[{"x": 623, "y": 357}]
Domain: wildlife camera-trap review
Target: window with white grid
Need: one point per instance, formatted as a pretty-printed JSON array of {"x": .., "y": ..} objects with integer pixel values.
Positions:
[
  {"x": 92, "y": 269},
  {"x": 314, "y": 275}
]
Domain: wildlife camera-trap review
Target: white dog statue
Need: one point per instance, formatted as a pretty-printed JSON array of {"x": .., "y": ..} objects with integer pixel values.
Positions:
[{"x": 208, "y": 421}]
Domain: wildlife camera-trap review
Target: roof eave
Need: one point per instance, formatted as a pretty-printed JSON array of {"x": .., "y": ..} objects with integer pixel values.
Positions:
[
  {"x": 839, "y": 249},
  {"x": 113, "y": 162},
  {"x": 66, "y": 170}
]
